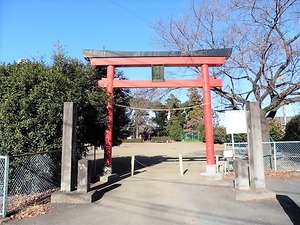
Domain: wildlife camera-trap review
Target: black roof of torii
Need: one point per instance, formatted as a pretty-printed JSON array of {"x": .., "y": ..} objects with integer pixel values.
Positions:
[{"x": 88, "y": 54}]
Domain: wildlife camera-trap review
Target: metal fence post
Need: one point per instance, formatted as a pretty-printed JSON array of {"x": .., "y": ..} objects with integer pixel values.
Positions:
[
  {"x": 275, "y": 157},
  {"x": 5, "y": 185}
]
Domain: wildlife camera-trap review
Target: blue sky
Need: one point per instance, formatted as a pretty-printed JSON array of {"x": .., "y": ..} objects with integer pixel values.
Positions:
[{"x": 31, "y": 28}]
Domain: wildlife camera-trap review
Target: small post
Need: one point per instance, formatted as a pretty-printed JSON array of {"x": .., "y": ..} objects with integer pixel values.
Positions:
[
  {"x": 225, "y": 166},
  {"x": 180, "y": 165},
  {"x": 83, "y": 177},
  {"x": 232, "y": 141},
  {"x": 217, "y": 163},
  {"x": 241, "y": 181},
  {"x": 132, "y": 165}
]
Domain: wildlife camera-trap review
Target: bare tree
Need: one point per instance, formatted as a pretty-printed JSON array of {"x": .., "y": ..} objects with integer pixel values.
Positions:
[
  {"x": 142, "y": 123},
  {"x": 265, "y": 62}
]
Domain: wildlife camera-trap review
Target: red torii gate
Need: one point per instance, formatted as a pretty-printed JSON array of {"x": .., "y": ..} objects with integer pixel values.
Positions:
[{"x": 203, "y": 58}]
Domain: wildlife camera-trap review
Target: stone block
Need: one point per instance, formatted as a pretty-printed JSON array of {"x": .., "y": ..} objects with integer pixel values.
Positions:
[
  {"x": 251, "y": 195},
  {"x": 83, "y": 176},
  {"x": 241, "y": 174},
  {"x": 71, "y": 197}
]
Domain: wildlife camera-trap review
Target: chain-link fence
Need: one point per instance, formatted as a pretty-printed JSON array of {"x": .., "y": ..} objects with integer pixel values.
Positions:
[
  {"x": 282, "y": 155},
  {"x": 32, "y": 177},
  {"x": 277, "y": 155},
  {"x": 191, "y": 137}
]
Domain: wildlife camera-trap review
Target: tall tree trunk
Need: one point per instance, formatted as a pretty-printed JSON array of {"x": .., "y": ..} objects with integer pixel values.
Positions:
[
  {"x": 265, "y": 129},
  {"x": 136, "y": 132}
]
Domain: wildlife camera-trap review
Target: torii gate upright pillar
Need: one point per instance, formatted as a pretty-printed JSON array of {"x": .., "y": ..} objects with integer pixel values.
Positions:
[
  {"x": 209, "y": 134},
  {"x": 107, "y": 170}
]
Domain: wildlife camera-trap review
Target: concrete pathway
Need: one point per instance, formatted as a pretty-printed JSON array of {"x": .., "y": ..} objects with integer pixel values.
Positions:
[{"x": 158, "y": 194}]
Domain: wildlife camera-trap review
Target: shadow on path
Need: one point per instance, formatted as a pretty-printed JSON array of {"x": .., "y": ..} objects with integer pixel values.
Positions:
[
  {"x": 122, "y": 167},
  {"x": 290, "y": 208},
  {"x": 101, "y": 191}
]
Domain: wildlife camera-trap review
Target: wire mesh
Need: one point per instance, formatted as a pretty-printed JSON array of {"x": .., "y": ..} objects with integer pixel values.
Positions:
[
  {"x": 191, "y": 137},
  {"x": 282, "y": 155},
  {"x": 277, "y": 155},
  {"x": 31, "y": 177}
]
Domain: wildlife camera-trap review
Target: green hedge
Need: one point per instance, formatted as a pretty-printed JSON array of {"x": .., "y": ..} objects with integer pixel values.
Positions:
[
  {"x": 160, "y": 139},
  {"x": 132, "y": 140}
]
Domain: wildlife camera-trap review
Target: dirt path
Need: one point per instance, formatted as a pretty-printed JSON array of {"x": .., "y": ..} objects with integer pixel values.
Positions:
[
  {"x": 165, "y": 149},
  {"x": 149, "y": 154}
]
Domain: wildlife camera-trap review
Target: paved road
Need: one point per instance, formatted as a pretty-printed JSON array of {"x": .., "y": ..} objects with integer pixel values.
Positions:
[{"x": 157, "y": 194}]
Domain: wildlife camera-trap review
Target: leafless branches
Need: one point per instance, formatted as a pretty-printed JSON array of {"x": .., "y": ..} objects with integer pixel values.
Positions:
[{"x": 264, "y": 35}]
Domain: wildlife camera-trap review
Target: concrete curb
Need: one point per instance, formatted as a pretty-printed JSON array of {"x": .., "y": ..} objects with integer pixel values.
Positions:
[
  {"x": 88, "y": 197},
  {"x": 251, "y": 195}
]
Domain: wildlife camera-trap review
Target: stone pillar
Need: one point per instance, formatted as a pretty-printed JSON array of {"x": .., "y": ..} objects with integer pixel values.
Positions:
[
  {"x": 256, "y": 162},
  {"x": 83, "y": 176},
  {"x": 68, "y": 161}
]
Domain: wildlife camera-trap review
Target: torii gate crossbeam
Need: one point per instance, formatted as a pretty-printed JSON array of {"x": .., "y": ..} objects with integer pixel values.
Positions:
[
  {"x": 199, "y": 82},
  {"x": 202, "y": 58}
]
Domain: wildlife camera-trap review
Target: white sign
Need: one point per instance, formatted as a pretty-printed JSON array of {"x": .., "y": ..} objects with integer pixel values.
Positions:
[
  {"x": 236, "y": 122},
  {"x": 227, "y": 153}
]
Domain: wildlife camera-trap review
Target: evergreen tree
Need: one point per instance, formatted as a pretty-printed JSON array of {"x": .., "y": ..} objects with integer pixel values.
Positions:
[
  {"x": 292, "y": 130},
  {"x": 174, "y": 128},
  {"x": 91, "y": 99},
  {"x": 175, "y": 118},
  {"x": 92, "y": 114},
  {"x": 276, "y": 130},
  {"x": 194, "y": 123},
  {"x": 160, "y": 119},
  {"x": 31, "y": 107}
]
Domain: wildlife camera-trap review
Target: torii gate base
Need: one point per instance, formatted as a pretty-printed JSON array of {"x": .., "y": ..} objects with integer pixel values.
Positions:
[{"x": 202, "y": 58}]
